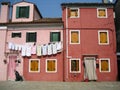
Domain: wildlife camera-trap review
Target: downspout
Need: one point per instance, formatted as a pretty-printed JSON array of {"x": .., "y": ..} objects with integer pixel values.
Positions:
[{"x": 67, "y": 42}]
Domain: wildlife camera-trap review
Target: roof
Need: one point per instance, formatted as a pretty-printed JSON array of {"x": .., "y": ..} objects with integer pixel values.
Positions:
[
  {"x": 42, "y": 20},
  {"x": 87, "y": 5}
]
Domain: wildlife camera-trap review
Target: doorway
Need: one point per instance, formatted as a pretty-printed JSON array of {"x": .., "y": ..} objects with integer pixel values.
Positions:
[
  {"x": 12, "y": 67},
  {"x": 90, "y": 69}
]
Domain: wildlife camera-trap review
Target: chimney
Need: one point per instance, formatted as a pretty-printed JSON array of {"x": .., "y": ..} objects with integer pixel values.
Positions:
[
  {"x": 4, "y": 15},
  {"x": 105, "y": 1}
]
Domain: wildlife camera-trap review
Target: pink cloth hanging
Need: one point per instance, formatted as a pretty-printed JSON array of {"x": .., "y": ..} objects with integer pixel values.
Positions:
[{"x": 11, "y": 67}]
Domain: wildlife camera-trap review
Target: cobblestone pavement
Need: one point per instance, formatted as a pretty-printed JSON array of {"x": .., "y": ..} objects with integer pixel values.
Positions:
[{"x": 34, "y": 85}]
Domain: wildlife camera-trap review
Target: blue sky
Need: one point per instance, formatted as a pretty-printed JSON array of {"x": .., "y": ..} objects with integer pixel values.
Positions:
[{"x": 52, "y": 8}]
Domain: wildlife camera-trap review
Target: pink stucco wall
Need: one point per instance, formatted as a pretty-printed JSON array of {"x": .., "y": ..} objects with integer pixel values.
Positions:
[{"x": 3, "y": 71}]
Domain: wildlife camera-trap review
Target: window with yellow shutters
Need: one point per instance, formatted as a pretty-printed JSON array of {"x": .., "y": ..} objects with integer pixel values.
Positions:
[
  {"x": 105, "y": 65},
  {"x": 102, "y": 13},
  {"x": 103, "y": 37},
  {"x": 51, "y": 65},
  {"x": 75, "y": 37},
  {"x": 34, "y": 65},
  {"x": 73, "y": 12}
]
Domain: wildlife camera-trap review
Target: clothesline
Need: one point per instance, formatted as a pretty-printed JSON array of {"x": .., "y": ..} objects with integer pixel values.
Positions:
[{"x": 39, "y": 50}]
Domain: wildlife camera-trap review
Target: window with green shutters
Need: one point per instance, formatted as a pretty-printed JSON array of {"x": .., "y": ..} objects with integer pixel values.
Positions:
[
  {"x": 22, "y": 12},
  {"x": 54, "y": 36},
  {"x": 31, "y": 36}
]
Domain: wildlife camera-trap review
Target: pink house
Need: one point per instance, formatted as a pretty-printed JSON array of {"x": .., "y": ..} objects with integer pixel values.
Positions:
[{"x": 79, "y": 46}]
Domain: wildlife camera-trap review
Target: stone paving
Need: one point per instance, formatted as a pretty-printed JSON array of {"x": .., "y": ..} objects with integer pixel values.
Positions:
[{"x": 35, "y": 85}]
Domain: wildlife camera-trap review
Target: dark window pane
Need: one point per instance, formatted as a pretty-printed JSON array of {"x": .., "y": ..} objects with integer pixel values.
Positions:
[{"x": 31, "y": 37}]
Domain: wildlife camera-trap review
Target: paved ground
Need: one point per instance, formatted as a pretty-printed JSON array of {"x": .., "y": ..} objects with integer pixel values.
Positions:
[{"x": 25, "y": 85}]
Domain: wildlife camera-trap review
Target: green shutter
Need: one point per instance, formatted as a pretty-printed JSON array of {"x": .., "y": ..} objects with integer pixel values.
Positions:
[
  {"x": 27, "y": 12},
  {"x": 54, "y": 36},
  {"x": 17, "y": 12}
]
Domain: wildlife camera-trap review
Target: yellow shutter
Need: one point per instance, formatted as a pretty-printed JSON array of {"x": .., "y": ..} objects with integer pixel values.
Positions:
[
  {"x": 73, "y": 13},
  {"x": 74, "y": 37},
  {"x": 102, "y": 13},
  {"x": 103, "y": 37},
  {"x": 51, "y": 65},
  {"x": 104, "y": 65},
  {"x": 34, "y": 65}
]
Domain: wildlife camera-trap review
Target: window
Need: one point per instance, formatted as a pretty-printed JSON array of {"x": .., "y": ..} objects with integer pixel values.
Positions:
[
  {"x": 16, "y": 34},
  {"x": 54, "y": 36},
  {"x": 104, "y": 65},
  {"x": 73, "y": 12},
  {"x": 51, "y": 65},
  {"x": 102, "y": 13},
  {"x": 22, "y": 12},
  {"x": 34, "y": 65},
  {"x": 31, "y": 36},
  {"x": 74, "y": 65},
  {"x": 103, "y": 37},
  {"x": 74, "y": 37}
]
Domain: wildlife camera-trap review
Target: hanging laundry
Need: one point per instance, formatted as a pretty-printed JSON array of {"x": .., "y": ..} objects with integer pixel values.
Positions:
[
  {"x": 59, "y": 46},
  {"x": 39, "y": 53},
  {"x": 44, "y": 49},
  {"x": 16, "y": 47},
  {"x": 28, "y": 51},
  {"x": 33, "y": 49},
  {"x": 19, "y": 47},
  {"x": 49, "y": 49},
  {"x": 54, "y": 48},
  {"x": 10, "y": 45},
  {"x": 23, "y": 52},
  {"x": 13, "y": 46}
]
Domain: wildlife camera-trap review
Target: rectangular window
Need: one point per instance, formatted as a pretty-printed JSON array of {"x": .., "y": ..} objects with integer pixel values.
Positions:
[
  {"x": 103, "y": 37},
  {"x": 34, "y": 65},
  {"x": 51, "y": 65},
  {"x": 102, "y": 13},
  {"x": 73, "y": 13},
  {"x": 74, "y": 37},
  {"x": 16, "y": 34},
  {"x": 31, "y": 36},
  {"x": 55, "y": 36},
  {"x": 75, "y": 65},
  {"x": 104, "y": 65},
  {"x": 22, "y": 12}
]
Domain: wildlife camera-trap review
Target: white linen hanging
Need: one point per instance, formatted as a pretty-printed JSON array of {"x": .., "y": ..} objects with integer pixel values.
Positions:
[
  {"x": 33, "y": 51},
  {"x": 59, "y": 46},
  {"x": 10, "y": 45},
  {"x": 23, "y": 52},
  {"x": 49, "y": 49},
  {"x": 28, "y": 51},
  {"x": 54, "y": 47},
  {"x": 39, "y": 53},
  {"x": 44, "y": 50}
]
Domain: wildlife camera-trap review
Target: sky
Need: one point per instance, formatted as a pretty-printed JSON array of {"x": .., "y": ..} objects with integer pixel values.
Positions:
[{"x": 52, "y": 8}]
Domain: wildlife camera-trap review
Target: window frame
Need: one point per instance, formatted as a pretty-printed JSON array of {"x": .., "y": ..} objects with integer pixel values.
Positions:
[
  {"x": 107, "y": 37},
  {"x": 18, "y": 12},
  {"x": 51, "y": 38},
  {"x": 12, "y": 36},
  {"x": 105, "y": 13},
  {"x": 108, "y": 65},
  {"x": 55, "y": 66},
  {"x": 27, "y": 40},
  {"x": 78, "y": 11},
  {"x": 78, "y": 36},
  {"x": 79, "y": 65},
  {"x": 30, "y": 65}
]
